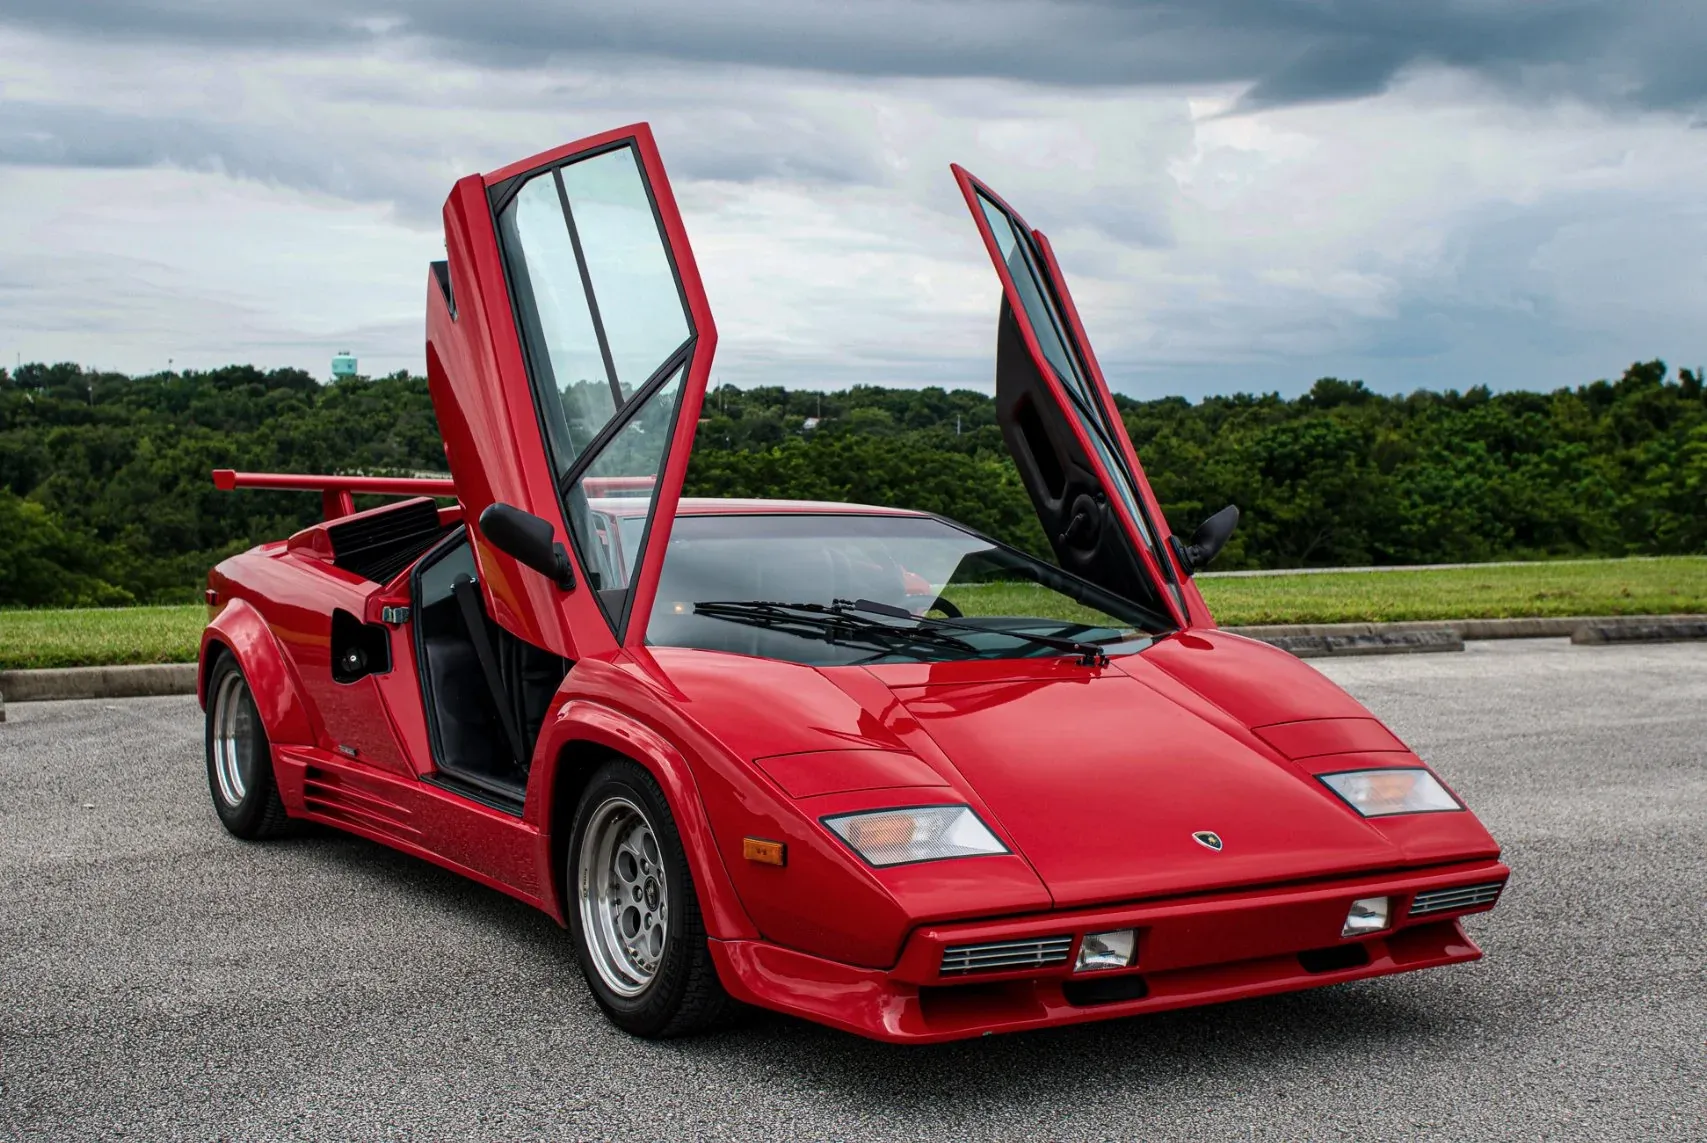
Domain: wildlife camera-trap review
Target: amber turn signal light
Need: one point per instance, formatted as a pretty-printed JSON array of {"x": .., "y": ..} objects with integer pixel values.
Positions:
[{"x": 764, "y": 852}]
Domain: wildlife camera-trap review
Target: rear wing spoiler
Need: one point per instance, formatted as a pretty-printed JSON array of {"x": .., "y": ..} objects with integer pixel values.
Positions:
[{"x": 337, "y": 493}]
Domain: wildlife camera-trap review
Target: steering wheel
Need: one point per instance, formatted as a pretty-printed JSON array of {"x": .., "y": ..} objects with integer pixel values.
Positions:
[{"x": 944, "y": 606}]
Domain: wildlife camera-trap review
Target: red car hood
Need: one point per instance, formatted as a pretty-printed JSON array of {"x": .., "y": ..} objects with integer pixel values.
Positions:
[
  {"x": 1098, "y": 777},
  {"x": 1101, "y": 781}
]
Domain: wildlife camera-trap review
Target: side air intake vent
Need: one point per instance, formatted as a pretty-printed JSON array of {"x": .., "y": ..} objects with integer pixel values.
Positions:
[
  {"x": 377, "y": 545},
  {"x": 347, "y": 799},
  {"x": 1004, "y": 956},
  {"x": 1458, "y": 897}
]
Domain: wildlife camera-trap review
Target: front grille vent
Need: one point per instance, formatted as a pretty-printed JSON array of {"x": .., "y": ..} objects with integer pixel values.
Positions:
[
  {"x": 1457, "y": 897},
  {"x": 1005, "y": 956}
]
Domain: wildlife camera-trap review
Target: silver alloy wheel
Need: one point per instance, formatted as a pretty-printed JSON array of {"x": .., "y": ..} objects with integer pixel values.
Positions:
[
  {"x": 625, "y": 901},
  {"x": 233, "y": 739}
]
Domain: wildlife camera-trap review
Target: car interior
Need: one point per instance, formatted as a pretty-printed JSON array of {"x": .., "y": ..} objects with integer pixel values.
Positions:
[{"x": 485, "y": 690}]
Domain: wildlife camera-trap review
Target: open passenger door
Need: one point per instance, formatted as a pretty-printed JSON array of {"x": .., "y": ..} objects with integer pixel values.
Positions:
[
  {"x": 1061, "y": 426},
  {"x": 568, "y": 346}
]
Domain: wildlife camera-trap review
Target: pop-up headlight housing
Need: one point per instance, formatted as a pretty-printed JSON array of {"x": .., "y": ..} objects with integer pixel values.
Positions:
[
  {"x": 1393, "y": 790},
  {"x": 918, "y": 833}
]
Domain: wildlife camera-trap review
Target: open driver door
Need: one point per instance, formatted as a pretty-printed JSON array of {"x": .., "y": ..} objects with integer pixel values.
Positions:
[{"x": 568, "y": 346}]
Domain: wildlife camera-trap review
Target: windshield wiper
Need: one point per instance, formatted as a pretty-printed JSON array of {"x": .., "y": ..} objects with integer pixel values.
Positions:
[
  {"x": 1090, "y": 655},
  {"x": 823, "y": 621}
]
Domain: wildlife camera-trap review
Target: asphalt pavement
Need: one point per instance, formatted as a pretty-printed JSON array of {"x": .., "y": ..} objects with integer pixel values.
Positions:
[{"x": 160, "y": 980}]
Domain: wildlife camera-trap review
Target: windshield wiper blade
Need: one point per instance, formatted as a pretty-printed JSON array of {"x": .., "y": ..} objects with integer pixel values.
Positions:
[
  {"x": 825, "y": 621},
  {"x": 1090, "y": 655}
]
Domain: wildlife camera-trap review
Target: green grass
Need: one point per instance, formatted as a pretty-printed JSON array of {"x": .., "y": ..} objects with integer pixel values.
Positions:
[
  {"x": 100, "y": 636},
  {"x": 1666, "y": 586},
  {"x": 1605, "y": 587},
  {"x": 1589, "y": 587}
]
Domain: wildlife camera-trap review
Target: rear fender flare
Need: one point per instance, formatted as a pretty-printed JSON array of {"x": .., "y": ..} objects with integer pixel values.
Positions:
[
  {"x": 240, "y": 629},
  {"x": 582, "y": 723}
]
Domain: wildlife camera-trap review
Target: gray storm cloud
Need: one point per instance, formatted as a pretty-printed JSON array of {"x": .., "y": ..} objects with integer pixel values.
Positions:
[
  {"x": 1604, "y": 51},
  {"x": 1245, "y": 194}
]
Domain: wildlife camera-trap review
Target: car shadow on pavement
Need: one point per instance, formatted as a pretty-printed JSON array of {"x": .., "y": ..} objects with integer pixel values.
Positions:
[
  {"x": 425, "y": 884},
  {"x": 1251, "y": 1042},
  {"x": 1315, "y": 1030}
]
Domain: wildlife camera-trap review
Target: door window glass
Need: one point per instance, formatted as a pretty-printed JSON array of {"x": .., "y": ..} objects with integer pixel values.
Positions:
[
  {"x": 628, "y": 264},
  {"x": 1013, "y": 243},
  {"x": 596, "y": 295},
  {"x": 612, "y": 500},
  {"x": 1122, "y": 486},
  {"x": 556, "y": 321}
]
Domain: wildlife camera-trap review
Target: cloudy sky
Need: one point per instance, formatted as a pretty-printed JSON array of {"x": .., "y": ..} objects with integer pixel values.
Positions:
[{"x": 1245, "y": 194}]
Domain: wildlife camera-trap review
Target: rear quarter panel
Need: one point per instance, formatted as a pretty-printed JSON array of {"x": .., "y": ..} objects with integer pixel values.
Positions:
[{"x": 273, "y": 609}]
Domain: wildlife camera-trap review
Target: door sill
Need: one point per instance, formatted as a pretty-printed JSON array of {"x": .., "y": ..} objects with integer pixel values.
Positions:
[{"x": 488, "y": 793}]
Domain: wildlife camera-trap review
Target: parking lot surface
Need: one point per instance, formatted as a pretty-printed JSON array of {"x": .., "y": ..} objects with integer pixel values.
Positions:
[{"x": 160, "y": 980}]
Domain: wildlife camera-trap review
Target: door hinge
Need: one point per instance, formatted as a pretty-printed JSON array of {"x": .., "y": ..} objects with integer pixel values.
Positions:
[{"x": 394, "y": 616}]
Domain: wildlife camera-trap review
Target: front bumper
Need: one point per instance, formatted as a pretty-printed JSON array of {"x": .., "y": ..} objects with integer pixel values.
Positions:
[{"x": 1194, "y": 950}]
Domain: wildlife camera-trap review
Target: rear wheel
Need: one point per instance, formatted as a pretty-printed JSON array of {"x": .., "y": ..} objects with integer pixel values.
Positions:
[
  {"x": 633, "y": 910},
  {"x": 239, "y": 759}
]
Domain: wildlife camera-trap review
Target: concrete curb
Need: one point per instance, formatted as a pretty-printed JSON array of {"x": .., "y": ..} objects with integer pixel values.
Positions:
[
  {"x": 97, "y": 682},
  {"x": 1561, "y": 627},
  {"x": 1660, "y": 631},
  {"x": 1365, "y": 643},
  {"x": 1306, "y": 640},
  {"x": 1314, "y": 640}
]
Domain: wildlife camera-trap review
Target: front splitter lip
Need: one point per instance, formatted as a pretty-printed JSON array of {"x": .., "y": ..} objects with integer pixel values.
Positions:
[{"x": 1211, "y": 949}]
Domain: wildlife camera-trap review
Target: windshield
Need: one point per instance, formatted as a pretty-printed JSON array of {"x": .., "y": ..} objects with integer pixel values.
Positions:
[{"x": 926, "y": 566}]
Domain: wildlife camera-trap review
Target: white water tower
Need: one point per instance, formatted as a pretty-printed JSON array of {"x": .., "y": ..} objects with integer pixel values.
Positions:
[{"x": 343, "y": 365}]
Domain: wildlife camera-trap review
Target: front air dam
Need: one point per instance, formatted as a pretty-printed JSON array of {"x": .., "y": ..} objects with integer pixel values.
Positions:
[{"x": 870, "y": 1003}]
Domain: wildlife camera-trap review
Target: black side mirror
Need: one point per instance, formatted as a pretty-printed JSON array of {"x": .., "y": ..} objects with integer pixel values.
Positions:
[
  {"x": 529, "y": 540},
  {"x": 1211, "y": 536}
]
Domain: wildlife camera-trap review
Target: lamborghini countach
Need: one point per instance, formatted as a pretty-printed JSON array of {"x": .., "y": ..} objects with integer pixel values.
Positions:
[{"x": 857, "y": 764}]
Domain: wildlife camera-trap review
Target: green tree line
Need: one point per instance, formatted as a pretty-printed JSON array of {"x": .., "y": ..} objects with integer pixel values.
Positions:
[{"x": 105, "y": 496}]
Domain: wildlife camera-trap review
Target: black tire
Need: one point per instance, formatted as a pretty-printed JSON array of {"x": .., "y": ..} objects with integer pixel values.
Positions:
[
  {"x": 683, "y": 995},
  {"x": 248, "y": 803}
]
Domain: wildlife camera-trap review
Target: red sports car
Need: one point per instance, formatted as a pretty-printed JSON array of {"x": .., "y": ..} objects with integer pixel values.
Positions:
[{"x": 856, "y": 764}]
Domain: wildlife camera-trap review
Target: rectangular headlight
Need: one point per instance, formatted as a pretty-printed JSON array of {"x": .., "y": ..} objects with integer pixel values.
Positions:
[
  {"x": 1106, "y": 950},
  {"x": 1395, "y": 790},
  {"x": 920, "y": 833}
]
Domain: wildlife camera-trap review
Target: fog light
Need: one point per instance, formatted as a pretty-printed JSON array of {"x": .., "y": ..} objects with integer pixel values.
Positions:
[
  {"x": 1367, "y": 915},
  {"x": 1106, "y": 950}
]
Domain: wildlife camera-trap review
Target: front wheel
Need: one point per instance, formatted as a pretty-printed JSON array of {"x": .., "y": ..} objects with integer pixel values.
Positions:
[
  {"x": 239, "y": 759},
  {"x": 633, "y": 911}
]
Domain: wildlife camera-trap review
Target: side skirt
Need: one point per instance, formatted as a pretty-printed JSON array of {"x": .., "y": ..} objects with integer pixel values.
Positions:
[
  {"x": 487, "y": 794},
  {"x": 494, "y": 847}
]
